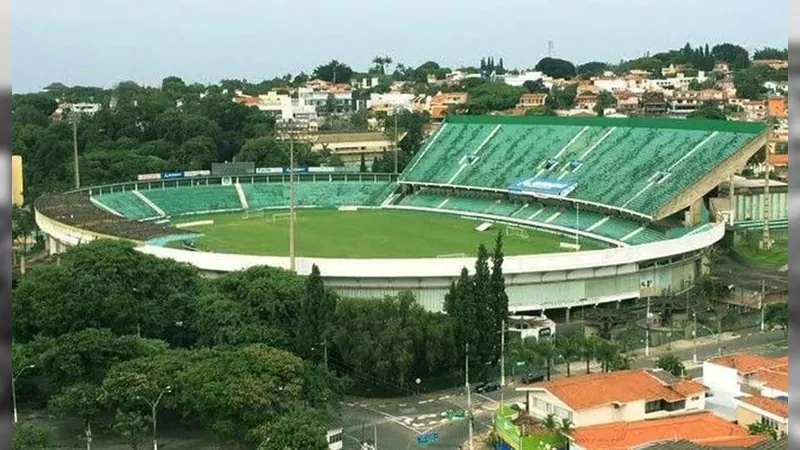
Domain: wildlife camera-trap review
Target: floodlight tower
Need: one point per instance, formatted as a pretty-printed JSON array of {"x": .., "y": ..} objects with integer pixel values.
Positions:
[
  {"x": 292, "y": 129},
  {"x": 74, "y": 117},
  {"x": 766, "y": 239}
]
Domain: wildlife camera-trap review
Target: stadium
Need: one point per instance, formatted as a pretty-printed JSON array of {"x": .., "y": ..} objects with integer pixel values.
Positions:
[{"x": 594, "y": 210}]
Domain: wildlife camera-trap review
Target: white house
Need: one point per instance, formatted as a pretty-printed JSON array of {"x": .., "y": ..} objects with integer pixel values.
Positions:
[
  {"x": 389, "y": 101},
  {"x": 738, "y": 374},
  {"x": 622, "y": 396},
  {"x": 519, "y": 80}
]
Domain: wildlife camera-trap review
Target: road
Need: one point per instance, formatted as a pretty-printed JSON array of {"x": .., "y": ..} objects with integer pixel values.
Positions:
[{"x": 398, "y": 421}]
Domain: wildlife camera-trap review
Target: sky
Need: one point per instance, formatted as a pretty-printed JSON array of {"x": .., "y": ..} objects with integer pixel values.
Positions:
[{"x": 102, "y": 42}]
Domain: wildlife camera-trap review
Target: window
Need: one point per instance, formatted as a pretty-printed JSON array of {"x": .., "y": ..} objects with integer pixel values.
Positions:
[
  {"x": 652, "y": 406},
  {"x": 695, "y": 398},
  {"x": 769, "y": 422}
]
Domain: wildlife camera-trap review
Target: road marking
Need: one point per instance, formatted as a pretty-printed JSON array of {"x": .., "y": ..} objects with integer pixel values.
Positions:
[
  {"x": 487, "y": 398},
  {"x": 390, "y": 417}
]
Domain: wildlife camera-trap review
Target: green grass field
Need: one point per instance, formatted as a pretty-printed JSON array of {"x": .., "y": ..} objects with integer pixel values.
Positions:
[{"x": 363, "y": 234}]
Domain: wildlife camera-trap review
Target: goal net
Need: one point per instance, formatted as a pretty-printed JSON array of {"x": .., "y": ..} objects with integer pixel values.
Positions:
[
  {"x": 281, "y": 217},
  {"x": 517, "y": 232},
  {"x": 253, "y": 214}
]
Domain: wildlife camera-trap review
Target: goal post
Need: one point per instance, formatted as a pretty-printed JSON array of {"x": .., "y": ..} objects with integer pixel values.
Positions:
[
  {"x": 280, "y": 217},
  {"x": 248, "y": 214},
  {"x": 521, "y": 233}
]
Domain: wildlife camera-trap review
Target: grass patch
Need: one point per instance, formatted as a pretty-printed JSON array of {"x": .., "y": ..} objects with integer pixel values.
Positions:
[
  {"x": 364, "y": 234},
  {"x": 748, "y": 249}
]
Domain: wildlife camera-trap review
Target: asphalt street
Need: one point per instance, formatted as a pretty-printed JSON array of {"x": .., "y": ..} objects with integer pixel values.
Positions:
[{"x": 398, "y": 421}]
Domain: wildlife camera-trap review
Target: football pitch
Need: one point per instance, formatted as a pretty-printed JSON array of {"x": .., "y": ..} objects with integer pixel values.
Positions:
[{"x": 365, "y": 234}]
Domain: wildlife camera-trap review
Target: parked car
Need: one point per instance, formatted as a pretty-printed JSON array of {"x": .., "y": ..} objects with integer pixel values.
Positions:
[
  {"x": 488, "y": 387},
  {"x": 529, "y": 378}
]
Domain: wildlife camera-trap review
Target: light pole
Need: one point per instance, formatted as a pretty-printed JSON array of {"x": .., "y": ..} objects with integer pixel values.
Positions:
[
  {"x": 153, "y": 407},
  {"x": 717, "y": 335},
  {"x": 73, "y": 119},
  {"x": 694, "y": 338},
  {"x": 14, "y": 391},
  {"x": 292, "y": 127}
]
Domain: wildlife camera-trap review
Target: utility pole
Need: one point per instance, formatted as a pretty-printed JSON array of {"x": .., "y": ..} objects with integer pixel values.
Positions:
[
  {"x": 761, "y": 304},
  {"x": 73, "y": 117},
  {"x": 396, "y": 150},
  {"x": 469, "y": 398},
  {"x": 292, "y": 266},
  {"x": 647, "y": 330},
  {"x": 694, "y": 338},
  {"x": 766, "y": 241},
  {"x": 503, "y": 353},
  {"x": 325, "y": 352},
  {"x": 375, "y": 437}
]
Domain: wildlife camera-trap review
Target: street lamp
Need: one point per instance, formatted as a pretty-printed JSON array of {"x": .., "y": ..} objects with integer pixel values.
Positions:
[
  {"x": 717, "y": 335},
  {"x": 13, "y": 389},
  {"x": 153, "y": 407}
]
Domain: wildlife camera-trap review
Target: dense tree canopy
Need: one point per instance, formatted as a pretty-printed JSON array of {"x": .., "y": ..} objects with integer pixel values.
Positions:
[{"x": 556, "y": 68}]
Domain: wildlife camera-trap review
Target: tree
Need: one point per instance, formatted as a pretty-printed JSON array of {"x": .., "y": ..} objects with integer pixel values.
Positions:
[
  {"x": 535, "y": 87},
  {"x": 196, "y": 153},
  {"x": 132, "y": 428},
  {"x": 556, "y": 68},
  {"x": 607, "y": 353},
  {"x": 776, "y": 315},
  {"x": 108, "y": 284},
  {"x": 708, "y": 111},
  {"x": 671, "y": 364},
  {"x": 497, "y": 283},
  {"x": 565, "y": 430},
  {"x": 762, "y": 428},
  {"x": 749, "y": 83},
  {"x": 604, "y": 101},
  {"x": 736, "y": 56},
  {"x": 550, "y": 422},
  {"x": 318, "y": 306},
  {"x": 334, "y": 71},
  {"x": 363, "y": 165},
  {"x": 546, "y": 350},
  {"x": 232, "y": 392},
  {"x": 257, "y": 305},
  {"x": 297, "y": 430},
  {"x": 30, "y": 437},
  {"x": 562, "y": 97},
  {"x": 591, "y": 69},
  {"x": 489, "y": 97},
  {"x": 771, "y": 53},
  {"x": 83, "y": 400},
  {"x": 22, "y": 225},
  {"x": 588, "y": 350},
  {"x": 487, "y": 328},
  {"x": 569, "y": 349}
]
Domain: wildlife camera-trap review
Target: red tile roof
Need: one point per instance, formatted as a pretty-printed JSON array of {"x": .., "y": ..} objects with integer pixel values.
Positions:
[
  {"x": 590, "y": 391},
  {"x": 702, "y": 428},
  {"x": 770, "y": 405},
  {"x": 745, "y": 362},
  {"x": 775, "y": 379}
]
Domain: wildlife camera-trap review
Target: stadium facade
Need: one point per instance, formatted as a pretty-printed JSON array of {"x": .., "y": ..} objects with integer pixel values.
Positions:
[{"x": 640, "y": 186}]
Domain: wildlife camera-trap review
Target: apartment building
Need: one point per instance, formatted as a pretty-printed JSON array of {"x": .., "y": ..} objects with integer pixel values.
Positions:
[
  {"x": 530, "y": 100},
  {"x": 623, "y": 396},
  {"x": 84, "y": 109},
  {"x": 390, "y": 101},
  {"x": 440, "y": 103}
]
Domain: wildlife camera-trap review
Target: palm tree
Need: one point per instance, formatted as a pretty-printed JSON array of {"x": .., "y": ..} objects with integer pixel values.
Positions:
[
  {"x": 551, "y": 423},
  {"x": 565, "y": 430},
  {"x": 588, "y": 347},
  {"x": 569, "y": 349},
  {"x": 607, "y": 353},
  {"x": 524, "y": 350},
  {"x": 547, "y": 351}
]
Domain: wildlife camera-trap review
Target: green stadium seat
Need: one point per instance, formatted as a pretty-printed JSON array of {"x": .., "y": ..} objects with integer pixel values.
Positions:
[
  {"x": 197, "y": 199},
  {"x": 127, "y": 204}
]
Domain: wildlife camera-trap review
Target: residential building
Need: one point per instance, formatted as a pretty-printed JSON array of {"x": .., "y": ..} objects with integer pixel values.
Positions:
[
  {"x": 365, "y": 82},
  {"x": 685, "y": 103},
  {"x": 703, "y": 428},
  {"x": 334, "y": 99},
  {"x": 778, "y": 107},
  {"x": 613, "y": 84},
  {"x": 351, "y": 146},
  {"x": 769, "y": 444},
  {"x": 758, "y": 409},
  {"x": 537, "y": 327},
  {"x": 653, "y": 103},
  {"x": 390, "y": 101},
  {"x": 530, "y": 100},
  {"x": 622, "y": 396},
  {"x": 679, "y": 82},
  {"x": 17, "y": 192},
  {"x": 440, "y": 103},
  {"x": 672, "y": 70},
  {"x": 626, "y": 101},
  {"x": 281, "y": 106},
  {"x": 722, "y": 67},
  {"x": 776, "y": 64},
  {"x": 519, "y": 80},
  {"x": 777, "y": 87},
  {"x": 731, "y": 376},
  {"x": 84, "y": 109},
  {"x": 586, "y": 101}
]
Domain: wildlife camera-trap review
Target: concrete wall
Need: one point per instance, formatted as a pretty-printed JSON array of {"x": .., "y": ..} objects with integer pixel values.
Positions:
[{"x": 723, "y": 383}]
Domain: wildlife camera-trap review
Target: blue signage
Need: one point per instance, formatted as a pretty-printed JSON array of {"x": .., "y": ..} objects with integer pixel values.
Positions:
[
  {"x": 544, "y": 186},
  {"x": 171, "y": 175},
  {"x": 427, "y": 438},
  {"x": 296, "y": 170}
]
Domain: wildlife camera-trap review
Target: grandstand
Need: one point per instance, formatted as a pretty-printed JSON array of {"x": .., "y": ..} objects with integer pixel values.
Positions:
[
  {"x": 620, "y": 183},
  {"x": 650, "y": 168}
]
